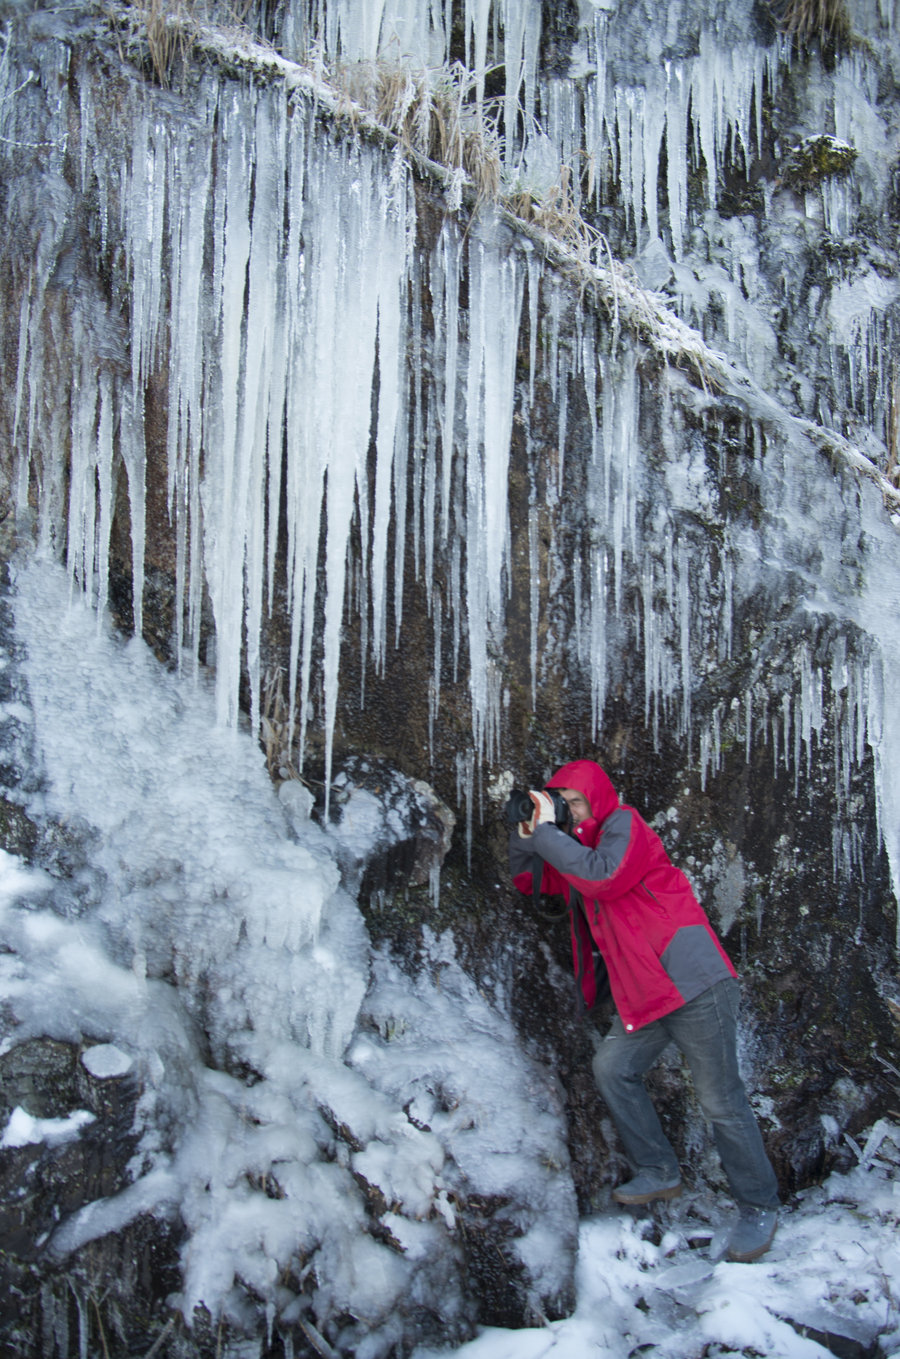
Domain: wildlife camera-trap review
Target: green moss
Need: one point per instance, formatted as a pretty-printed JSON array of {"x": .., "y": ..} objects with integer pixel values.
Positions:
[{"x": 817, "y": 158}]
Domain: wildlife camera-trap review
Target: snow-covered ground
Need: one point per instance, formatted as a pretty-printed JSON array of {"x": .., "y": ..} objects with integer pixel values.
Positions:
[
  {"x": 830, "y": 1281},
  {"x": 202, "y": 927}
]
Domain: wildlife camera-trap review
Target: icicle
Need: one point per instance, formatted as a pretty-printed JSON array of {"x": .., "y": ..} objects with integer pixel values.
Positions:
[
  {"x": 521, "y": 38},
  {"x": 727, "y": 627},
  {"x": 104, "y": 490},
  {"x": 652, "y": 127},
  {"x": 651, "y": 651},
  {"x": 83, "y": 1326},
  {"x": 476, "y": 20},
  {"x": 25, "y": 352},
  {"x": 677, "y": 97},
  {"x": 82, "y": 467},
  {"x": 551, "y": 334},
  {"x": 456, "y": 597},
  {"x": 145, "y": 205},
  {"x": 684, "y": 624},
  {"x": 226, "y": 484},
  {"x": 449, "y": 272},
  {"x": 716, "y": 739},
  {"x": 578, "y": 606},
  {"x": 562, "y": 422},
  {"x": 434, "y": 688},
  {"x": 465, "y": 793},
  {"x": 401, "y": 439},
  {"x": 429, "y": 496},
  {"x": 718, "y": 86},
  {"x": 495, "y": 301},
  {"x": 786, "y": 727},
  {"x": 705, "y": 742},
  {"x": 748, "y": 724},
  {"x": 390, "y": 441},
  {"x": 598, "y": 661},
  {"x": 534, "y": 277},
  {"x": 54, "y": 1322},
  {"x": 534, "y": 594},
  {"x": 344, "y": 340},
  {"x": 263, "y": 298},
  {"x": 188, "y": 197}
]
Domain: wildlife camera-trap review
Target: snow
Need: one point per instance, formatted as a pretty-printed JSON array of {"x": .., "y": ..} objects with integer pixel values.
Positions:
[
  {"x": 105, "y": 1061},
  {"x": 833, "y": 1269},
  {"x": 22, "y": 1130},
  {"x": 202, "y": 932}
]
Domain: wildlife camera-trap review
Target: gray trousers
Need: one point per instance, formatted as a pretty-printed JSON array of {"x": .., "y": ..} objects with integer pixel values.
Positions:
[{"x": 705, "y": 1030}]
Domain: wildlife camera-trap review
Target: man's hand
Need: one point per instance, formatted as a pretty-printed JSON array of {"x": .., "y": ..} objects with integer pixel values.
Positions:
[{"x": 543, "y": 811}]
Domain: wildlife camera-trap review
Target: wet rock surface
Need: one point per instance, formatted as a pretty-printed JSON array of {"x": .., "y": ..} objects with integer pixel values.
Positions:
[{"x": 76, "y": 1138}]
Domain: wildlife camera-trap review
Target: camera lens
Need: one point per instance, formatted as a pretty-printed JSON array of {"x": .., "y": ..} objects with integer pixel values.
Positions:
[{"x": 519, "y": 807}]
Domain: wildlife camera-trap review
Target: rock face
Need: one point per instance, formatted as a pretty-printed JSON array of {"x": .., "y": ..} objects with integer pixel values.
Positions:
[
  {"x": 458, "y": 501},
  {"x": 51, "y": 1167}
]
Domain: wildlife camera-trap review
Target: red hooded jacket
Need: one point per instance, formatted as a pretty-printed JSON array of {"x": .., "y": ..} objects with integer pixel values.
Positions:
[{"x": 658, "y": 945}]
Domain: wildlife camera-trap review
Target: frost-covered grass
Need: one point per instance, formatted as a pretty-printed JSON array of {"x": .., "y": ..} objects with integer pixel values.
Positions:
[{"x": 427, "y": 114}]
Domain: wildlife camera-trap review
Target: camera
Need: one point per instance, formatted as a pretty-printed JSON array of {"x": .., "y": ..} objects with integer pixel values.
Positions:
[{"x": 520, "y": 807}]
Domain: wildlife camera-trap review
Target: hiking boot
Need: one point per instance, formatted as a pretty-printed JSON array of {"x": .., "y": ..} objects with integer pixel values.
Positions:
[
  {"x": 752, "y": 1234},
  {"x": 645, "y": 1187}
]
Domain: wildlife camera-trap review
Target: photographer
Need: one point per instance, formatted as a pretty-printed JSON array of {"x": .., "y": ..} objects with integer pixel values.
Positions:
[{"x": 670, "y": 978}]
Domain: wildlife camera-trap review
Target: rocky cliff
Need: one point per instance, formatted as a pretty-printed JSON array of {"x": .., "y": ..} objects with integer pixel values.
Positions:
[{"x": 463, "y": 393}]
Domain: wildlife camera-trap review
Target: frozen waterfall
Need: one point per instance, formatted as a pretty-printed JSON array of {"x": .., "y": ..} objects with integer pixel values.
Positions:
[
  {"x": 205, "y": 928},
  {"x": 274, "y": 272},
  {"x": 601, "y": 459}
]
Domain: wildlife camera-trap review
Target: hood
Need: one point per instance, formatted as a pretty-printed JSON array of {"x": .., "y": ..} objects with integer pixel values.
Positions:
[{"x": 588, "y": 778}]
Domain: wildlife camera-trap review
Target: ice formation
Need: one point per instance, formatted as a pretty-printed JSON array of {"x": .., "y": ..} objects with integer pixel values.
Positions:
[
  {"x": 252, "y": 261},
  {"x": 311, "y": 273},
  {"x": 199, "y": 907},
  {"x": 408, "y": 1067}
]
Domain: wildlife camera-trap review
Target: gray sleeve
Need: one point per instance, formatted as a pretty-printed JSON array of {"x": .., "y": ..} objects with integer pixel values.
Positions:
[
  {"x": 521, "y": 853},
  {"x": 576, "y": 860}
]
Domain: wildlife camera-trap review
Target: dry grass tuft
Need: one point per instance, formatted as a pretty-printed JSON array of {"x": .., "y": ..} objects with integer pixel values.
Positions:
[
  {"x": 825, "y": 20},
  {"x": 164, "y": 38},
  {"x": 167, "y": 27},
  {"x": 556, "y": 212},
  {"x": 432, "y": 114},
  {"x": 277, "y": 729}
]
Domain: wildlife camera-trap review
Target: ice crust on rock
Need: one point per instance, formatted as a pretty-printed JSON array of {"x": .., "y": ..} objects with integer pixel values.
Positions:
[
  {"x": 200, "y": 907},
  {"x": 105, "y": 1061}
]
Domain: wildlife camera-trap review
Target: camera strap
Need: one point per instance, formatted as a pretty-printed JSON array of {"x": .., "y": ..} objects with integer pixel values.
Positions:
[
  {"x": 583, "y": 952},
  {"x": 537, "y": 874},
  {"x": 585, "y": 955}
]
